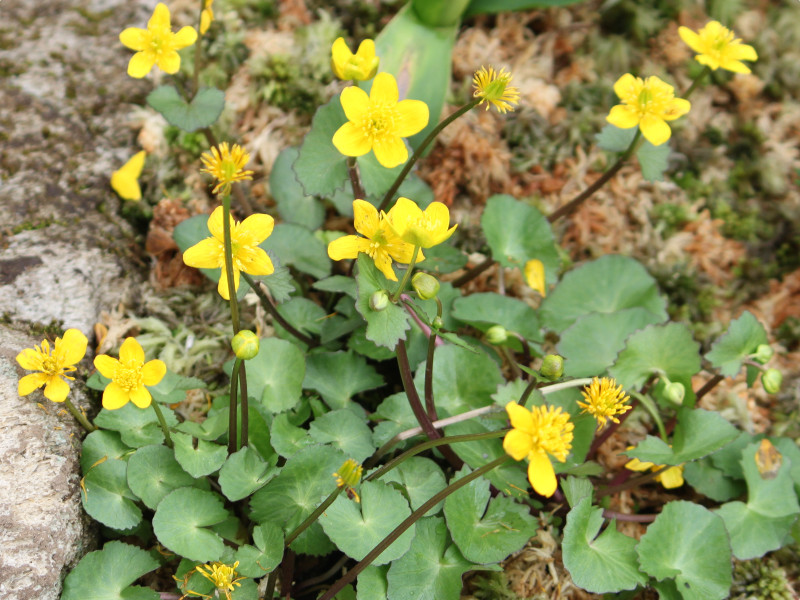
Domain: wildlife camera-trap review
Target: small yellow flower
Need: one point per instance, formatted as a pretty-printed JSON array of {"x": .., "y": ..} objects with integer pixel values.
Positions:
[
  {"x": 604, "y": 399},
  {"x": 534, "y": 275},
  {"x": 206, "y": 16},
  {"x": 124, "y": 180},
  {"x": 493, "y": 89},
  {"x": 380, "y": 243},
  {"x": 669, "y": 478},
  {"x": 535, "y": 434},
  {"x": 348, "y": 476},
  {"x": 245, "y": 238},
  {"x": 718, "y": 48},
  {"x": 420, "y": 228},
  {"x": 54, "y": 365},
  {"x": 222, "y": 576},
  {"x": 129, "y": 375},
  {"x": 379, "y": 122},
  {"x": 648, "y": 103},
  {"x": 156, "y": 45},
  {"x": 359, "y": 66},
  {"x": 226, "y": 165}
]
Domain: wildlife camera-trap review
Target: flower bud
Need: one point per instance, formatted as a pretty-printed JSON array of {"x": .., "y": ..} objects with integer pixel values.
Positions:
[
  {"x": 496, "y": 334},
  {"x": 763, "y": 353},
  {"x": 437, "y": 322},
  {"x": 245, "y": 345},
  {"x": 379, "y": 301},
  {"x": 552, "y": 367},
  {"x": 675, "y": 392},
  {"x": 425, "y": 285},
  {"x": 771, "y": 380}
]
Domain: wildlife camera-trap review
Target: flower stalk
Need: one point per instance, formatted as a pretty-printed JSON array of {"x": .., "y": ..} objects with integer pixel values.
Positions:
[
  {"x": 273, "y": 311},
  {"x": 79, "y": 416},
  {"x": 407, "y": 276},
  {"x": 430, "y": 405},
  {"x": 163, "y": 422},
  {"x": 226, "y": 232}
]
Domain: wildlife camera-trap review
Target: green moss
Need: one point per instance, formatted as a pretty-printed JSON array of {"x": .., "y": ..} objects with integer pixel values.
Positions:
[
  {"x": 34, "y": 225},
  {"x": 760, "y": 579}
]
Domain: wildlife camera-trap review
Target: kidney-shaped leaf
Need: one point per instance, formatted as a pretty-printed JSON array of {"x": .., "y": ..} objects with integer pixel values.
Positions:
[
  {"x": 107, "y": 574},
  {"x": 107, "y": 497},
  {"x": 744, "y": 335},
  {"x": 153, "y": 473}
]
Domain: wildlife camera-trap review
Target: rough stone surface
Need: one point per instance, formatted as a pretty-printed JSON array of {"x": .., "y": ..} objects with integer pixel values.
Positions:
[
  {"x": 42, "y": 526},
  {"x": 64, "y": 254}
]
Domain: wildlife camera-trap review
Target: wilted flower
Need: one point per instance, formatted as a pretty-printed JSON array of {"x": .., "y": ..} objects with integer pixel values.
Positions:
[
  {"x": 226, "y": 165},
  {"x": 604, "y": 400},
  {"x": 494, "y": 90}
]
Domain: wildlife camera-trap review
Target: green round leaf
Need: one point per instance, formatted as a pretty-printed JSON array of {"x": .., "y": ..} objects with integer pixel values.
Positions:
[
  {"x": 287, "y": 438},
  {"x": 689, "y": 544},
  {"x": 153, "y": 473},
  {"x": 338, "y": 376},
  {"x": 605, "y": 285},
  {"x": 137, "y": 426},
  {"x": 653, "y": 160},
  {"x": 107, "y": 574},
  {"x": 320, "y": 167},
  {"x": 243, "y": 473},
  {"x": 385, "y": 327},
  {"x": 357, "y": 527},
  {"x": 256, "y": 561},
  {"x": 421, "y": 478},
  {"x": 202, "y": 111},
  {"x": 712, "y": 482},
  {"x": 275, "y": 375},
  {"x": 107, "y": 497},
  {"x": 205, "y": 459},
  {"x": 744, "y": 335},
  {"x": 180, "y": 524},
  {"x": 297, "y": 246},
  {"x": 487, "y": 309},
  {"x": 343, "y": 429},
  {"x": 599, "y": 563},
  {"x": 102, "y": 444},
  {"x": 294, "y": 205},
  {"x": 486, "y": 534}
]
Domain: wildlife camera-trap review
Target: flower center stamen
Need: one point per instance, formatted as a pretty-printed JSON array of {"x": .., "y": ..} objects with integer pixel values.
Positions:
[{"x": 128, "y": 377}]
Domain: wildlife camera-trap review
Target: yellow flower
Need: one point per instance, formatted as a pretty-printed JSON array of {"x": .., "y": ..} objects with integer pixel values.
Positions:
[
  {"x": 348, "y": 476},
  {"x": 380, "y": 243},
  {"x": 379, "y": 122},
  {"x": 124, "y": 180},
  {"x": 156, "y": 45},
  {"x": 222, "y": 576},
  {"x": 535, "y": 434},
  {"x": 54, "y": 365},
  {"x": 534, "y": 275},
  {"x": 129, "y": 375},
  {"x": 226, "y": 165},
  {"x": 493, "y": 89},
  {"x": 360, "y": 66},
  {"x": 648, "y": 103},
  {"x": 604, "y": 400},
  {"x": 418, "y": 228},
  {"x": 247, "y": 256},
  {"x": 206, "y": 16},
  {"x": 717, "y": 47},
  {"x": 669, "y": 478}
]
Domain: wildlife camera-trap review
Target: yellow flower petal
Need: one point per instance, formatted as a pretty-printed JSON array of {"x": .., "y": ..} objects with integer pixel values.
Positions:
[
  {"x": 534, "y": 275},
  {"x": 131, "y": 352},
  {"x": 690, "y": 38},
  {"x": 160, "y": 17},
  {"x": 350, "y": 140},
  {"x": 107, "y": 365},
  {"x": 72, "y": 347},
  {"x": 31, "y": 382},
  {"x": 627, "y": 86},
  {"x": 258, "y": 226},
  {"x": 114, "y": 397},
  {"x": 390, "y": 151},
  {"x": 153, "y": 372},
  {"x": 222, "y": 287},
  {"x": 520, "y": 417},
  {"x": 30, "y": 360},
  {"x": 169, "y": 62},
  {"x": 56, "y": 389},
  {"x": 133, "y": 38},
  {"x": 205, "y": 254},
  {"x": 403, "y": 213},
  {"x": 623, "y": 117},
  {"x": 413, "y": 115},
  {"x": 655, "y": 130},
  {"x": 384, "y": 89},
  {"x": 141, "y": 397},
  {"x": 140, "y": 64},
  {"x": 541, "y": 474},
  {"x": 671, "y": 478},
  {"x": 347, "y": 246},
  {"x": 384, "y": 263},
  {"x": 637, "y": 465},
  {"x": 678, "y": 108},
  {"x": 517, "y": 444},
  {"x": 365, "y": 218},
  {"x": 255, "y": 261},
  {"x": 125, "y": 182},
  {"x": 186, "y": 36},
  {"x": 340, "y": 56},
  {"x": 355, "y": 103}
]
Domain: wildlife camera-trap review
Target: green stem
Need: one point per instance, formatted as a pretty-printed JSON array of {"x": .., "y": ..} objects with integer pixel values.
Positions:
[
  {"x": 650, "y": 407},
  {"x": 163, "y": 422},
  {"x": 696, "y": 82},
  {"x": 273, "y": 311},
  {"x": 407, "y": 276},
  {"x": 355, "y": 180},
  {"x": 233, "y": 444},
  {"x": 196, "y": 73},
  {"x": 312, "y": 517},
  {"x": 78, "y": 415},
  {"x": 226, "y": 231},
  {"x": 421, "y": 148},
  {"x": 408, "y": 522},
  {"x": 245, "y": 408},
  {"x": 573, "y": 204},
  {"x": 430, "y": 406},
  {"x": 472, "y": 273},
  {"x": 270, "y": 591}
]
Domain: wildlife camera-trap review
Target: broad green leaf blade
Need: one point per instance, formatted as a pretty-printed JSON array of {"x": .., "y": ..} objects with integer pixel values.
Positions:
[
  {"x": 338, "y": 376},
  {"x": 698, "y": 433},
  {"x": 181, "y": 520},
  {"x": 153, "y": 473},
  {"x": 653, "y": 160},
  {"x": 102, "y": 444},
  {"x": 484, "y": 534},
  {"x": 294, "y": 206},
  {"x": 576, "y": 489},
  {"x": 486, "y": 309},
  {"x": 137, "y": 426},
  {"x": 518, "y": 232},
  {"x": 297, "y": 246},
  {"x": 356, "y": 528},
  {"x": 243, "y": 473},
  {"x": 205, "y": 459},
  {"x": 688, "y": 543},
  {"x": 444, "y": 258},
  {"x": 172, "y": 388},
  {"x": 107, "y": 497},
  {"x": 591, "y": 343},
  {"x": 744, "y": 335},
  {"x": 599, "y": 563},
  {"x": 372, "y": 583},
  {"x": 385, "y": 327},
  {"x": 320, "y": 168},
  {"x": 421, "y": 478},
  {"x": 343, "y": 429},
  {"x": 479, "y": 7},
  {"x": 393, "y": 415},
  {"x": 287, "y": 438},
  {"x": 712, "y": 482},
  {"x": 432, "y": 567},
  {"x": 765, "y": 522},
  {"x": 275, "y": 375},
  {"x": 258, "y": 560},
  {"x": 614, "y": 139},
  {"x": 202, "y": 111},
  {"x": 302, "y": 314},
  {"x": 304, "y": 482},
  {"x": 106, "y": 574},
  {"x": 666, "y": 348},
  {"x": 605, "y": 285}
]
